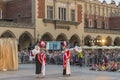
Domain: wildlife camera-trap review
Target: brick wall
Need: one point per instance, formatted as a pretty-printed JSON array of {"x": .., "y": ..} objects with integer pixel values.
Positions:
[
  {"x": 114, "y": 23},
  {"x": 79, "y": 9},
  {"x": 41, "y": 8},
  {"x": 19, "y": 10}
]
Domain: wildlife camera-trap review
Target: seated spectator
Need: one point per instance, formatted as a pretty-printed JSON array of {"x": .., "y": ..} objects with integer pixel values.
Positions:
[
  {"x": 118, "y": 67},
  {"x": 99, "y": 67},
  {"x": 114, "y": 66},
  {"x": 108, "y": 67},
  {"x": 103, "y": 67},
  {"x": 92, "y": 67}
]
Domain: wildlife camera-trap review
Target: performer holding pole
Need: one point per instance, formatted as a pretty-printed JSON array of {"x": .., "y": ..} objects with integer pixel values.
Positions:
[
  {"x": 35, "y": 52},
  {"x": 66, "y": 59}
]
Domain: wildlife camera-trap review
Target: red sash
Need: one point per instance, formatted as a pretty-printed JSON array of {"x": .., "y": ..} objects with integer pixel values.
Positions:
[
  {"x": 41, "y": 57},
  {"x": 67, "y": 56}
]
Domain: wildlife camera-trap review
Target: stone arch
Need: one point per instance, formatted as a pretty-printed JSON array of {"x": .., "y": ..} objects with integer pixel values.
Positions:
[
  {"x": 61, "y": 37},
  {"x": 47, "y": 37},
  {"x": 108, "y": 41},
  {"x": 8, "y": 33},
  {"x": 74, "y": 40},
  {"x": 87, "y": 40},
  {"x": 25, "y": 40},
  {"x": 99, "y": 37},
  {"x": 117, "y": 41},
  {"x": 98, "y": 40}
]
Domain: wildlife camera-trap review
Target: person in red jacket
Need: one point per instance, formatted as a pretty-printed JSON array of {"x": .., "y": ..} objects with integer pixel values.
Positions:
[
  {"x": 66, "y": 59},
  {"x": 41, "y": 59}
]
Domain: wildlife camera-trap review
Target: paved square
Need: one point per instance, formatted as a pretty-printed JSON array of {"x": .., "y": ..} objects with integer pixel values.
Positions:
[{"x": 54, "y": 72}]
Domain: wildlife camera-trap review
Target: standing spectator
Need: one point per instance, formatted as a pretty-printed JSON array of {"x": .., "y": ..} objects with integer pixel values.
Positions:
[
  {"x": 80, "y": 54},
  {"x": 22, "y": 56}
]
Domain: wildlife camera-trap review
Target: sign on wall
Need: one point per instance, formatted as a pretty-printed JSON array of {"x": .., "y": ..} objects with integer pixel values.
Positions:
[{"x": 54, "y": 45}]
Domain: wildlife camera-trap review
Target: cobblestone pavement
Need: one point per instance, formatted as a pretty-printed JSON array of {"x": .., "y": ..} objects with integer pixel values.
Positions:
[{"x": 54, "y": 72}]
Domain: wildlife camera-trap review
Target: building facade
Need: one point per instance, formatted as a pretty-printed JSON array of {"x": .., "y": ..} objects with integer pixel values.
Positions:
[{"x": 84, "y": 22}]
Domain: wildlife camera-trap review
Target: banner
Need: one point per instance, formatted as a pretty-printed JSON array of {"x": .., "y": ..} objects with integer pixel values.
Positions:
[{"x": 54, "y": 45}]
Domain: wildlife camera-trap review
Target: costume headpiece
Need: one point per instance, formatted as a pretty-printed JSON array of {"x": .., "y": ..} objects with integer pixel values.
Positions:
[
  {"x": 64, "y": 44},
  {"x": 42, "y": 44}
]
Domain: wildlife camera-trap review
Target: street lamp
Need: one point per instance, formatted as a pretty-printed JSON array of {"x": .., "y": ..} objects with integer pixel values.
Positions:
[{"x": 103, "y": 42}]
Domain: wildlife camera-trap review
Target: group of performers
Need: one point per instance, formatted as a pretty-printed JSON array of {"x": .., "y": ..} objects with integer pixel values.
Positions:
[{"x": 40, "y": 58}]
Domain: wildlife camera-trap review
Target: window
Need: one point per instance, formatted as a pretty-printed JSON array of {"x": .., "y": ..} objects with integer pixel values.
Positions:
[
  {"x": 103, "y": 25},
  {"x": 86, "y": 22},
  {"x": 49, "y": 12},
  {"x": 94, "y": 9},
  {"x": 72, "y": 15},
  {"x": 98, "y": 10},
  {"x": 95, "y": 23},
  {"x": 90, "y": 23},
  {"x": 62, "y": 13},
  {"x": 90, "y": 9},
  {"x": 0, "y": 13},
  {"x": 103, "y": 12},
  {"x": 50, "y": 0}
]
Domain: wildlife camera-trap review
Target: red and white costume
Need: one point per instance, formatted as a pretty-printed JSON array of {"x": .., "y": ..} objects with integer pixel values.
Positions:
[
  {"x": 66, "y": 61},
  {"x": 42, "y": 60},
  {"x": 42, "y": 57}
]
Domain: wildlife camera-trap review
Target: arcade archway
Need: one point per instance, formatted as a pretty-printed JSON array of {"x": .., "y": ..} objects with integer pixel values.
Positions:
[
  {"x": 8, "y": 34},
  {"x": 47, "y": 37},
  {"x": 61, "y": 37},
  {"x": 117, "y": 41},
  {"x": 25, "y": 40},
  {"x": 108, "y": 41},
  {"x": 87, "y": 40},
  {"x": 74, "y": 40}
]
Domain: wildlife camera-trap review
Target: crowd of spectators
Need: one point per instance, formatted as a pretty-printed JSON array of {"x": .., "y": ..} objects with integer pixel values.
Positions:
[{"x": 101, "y": 60}]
